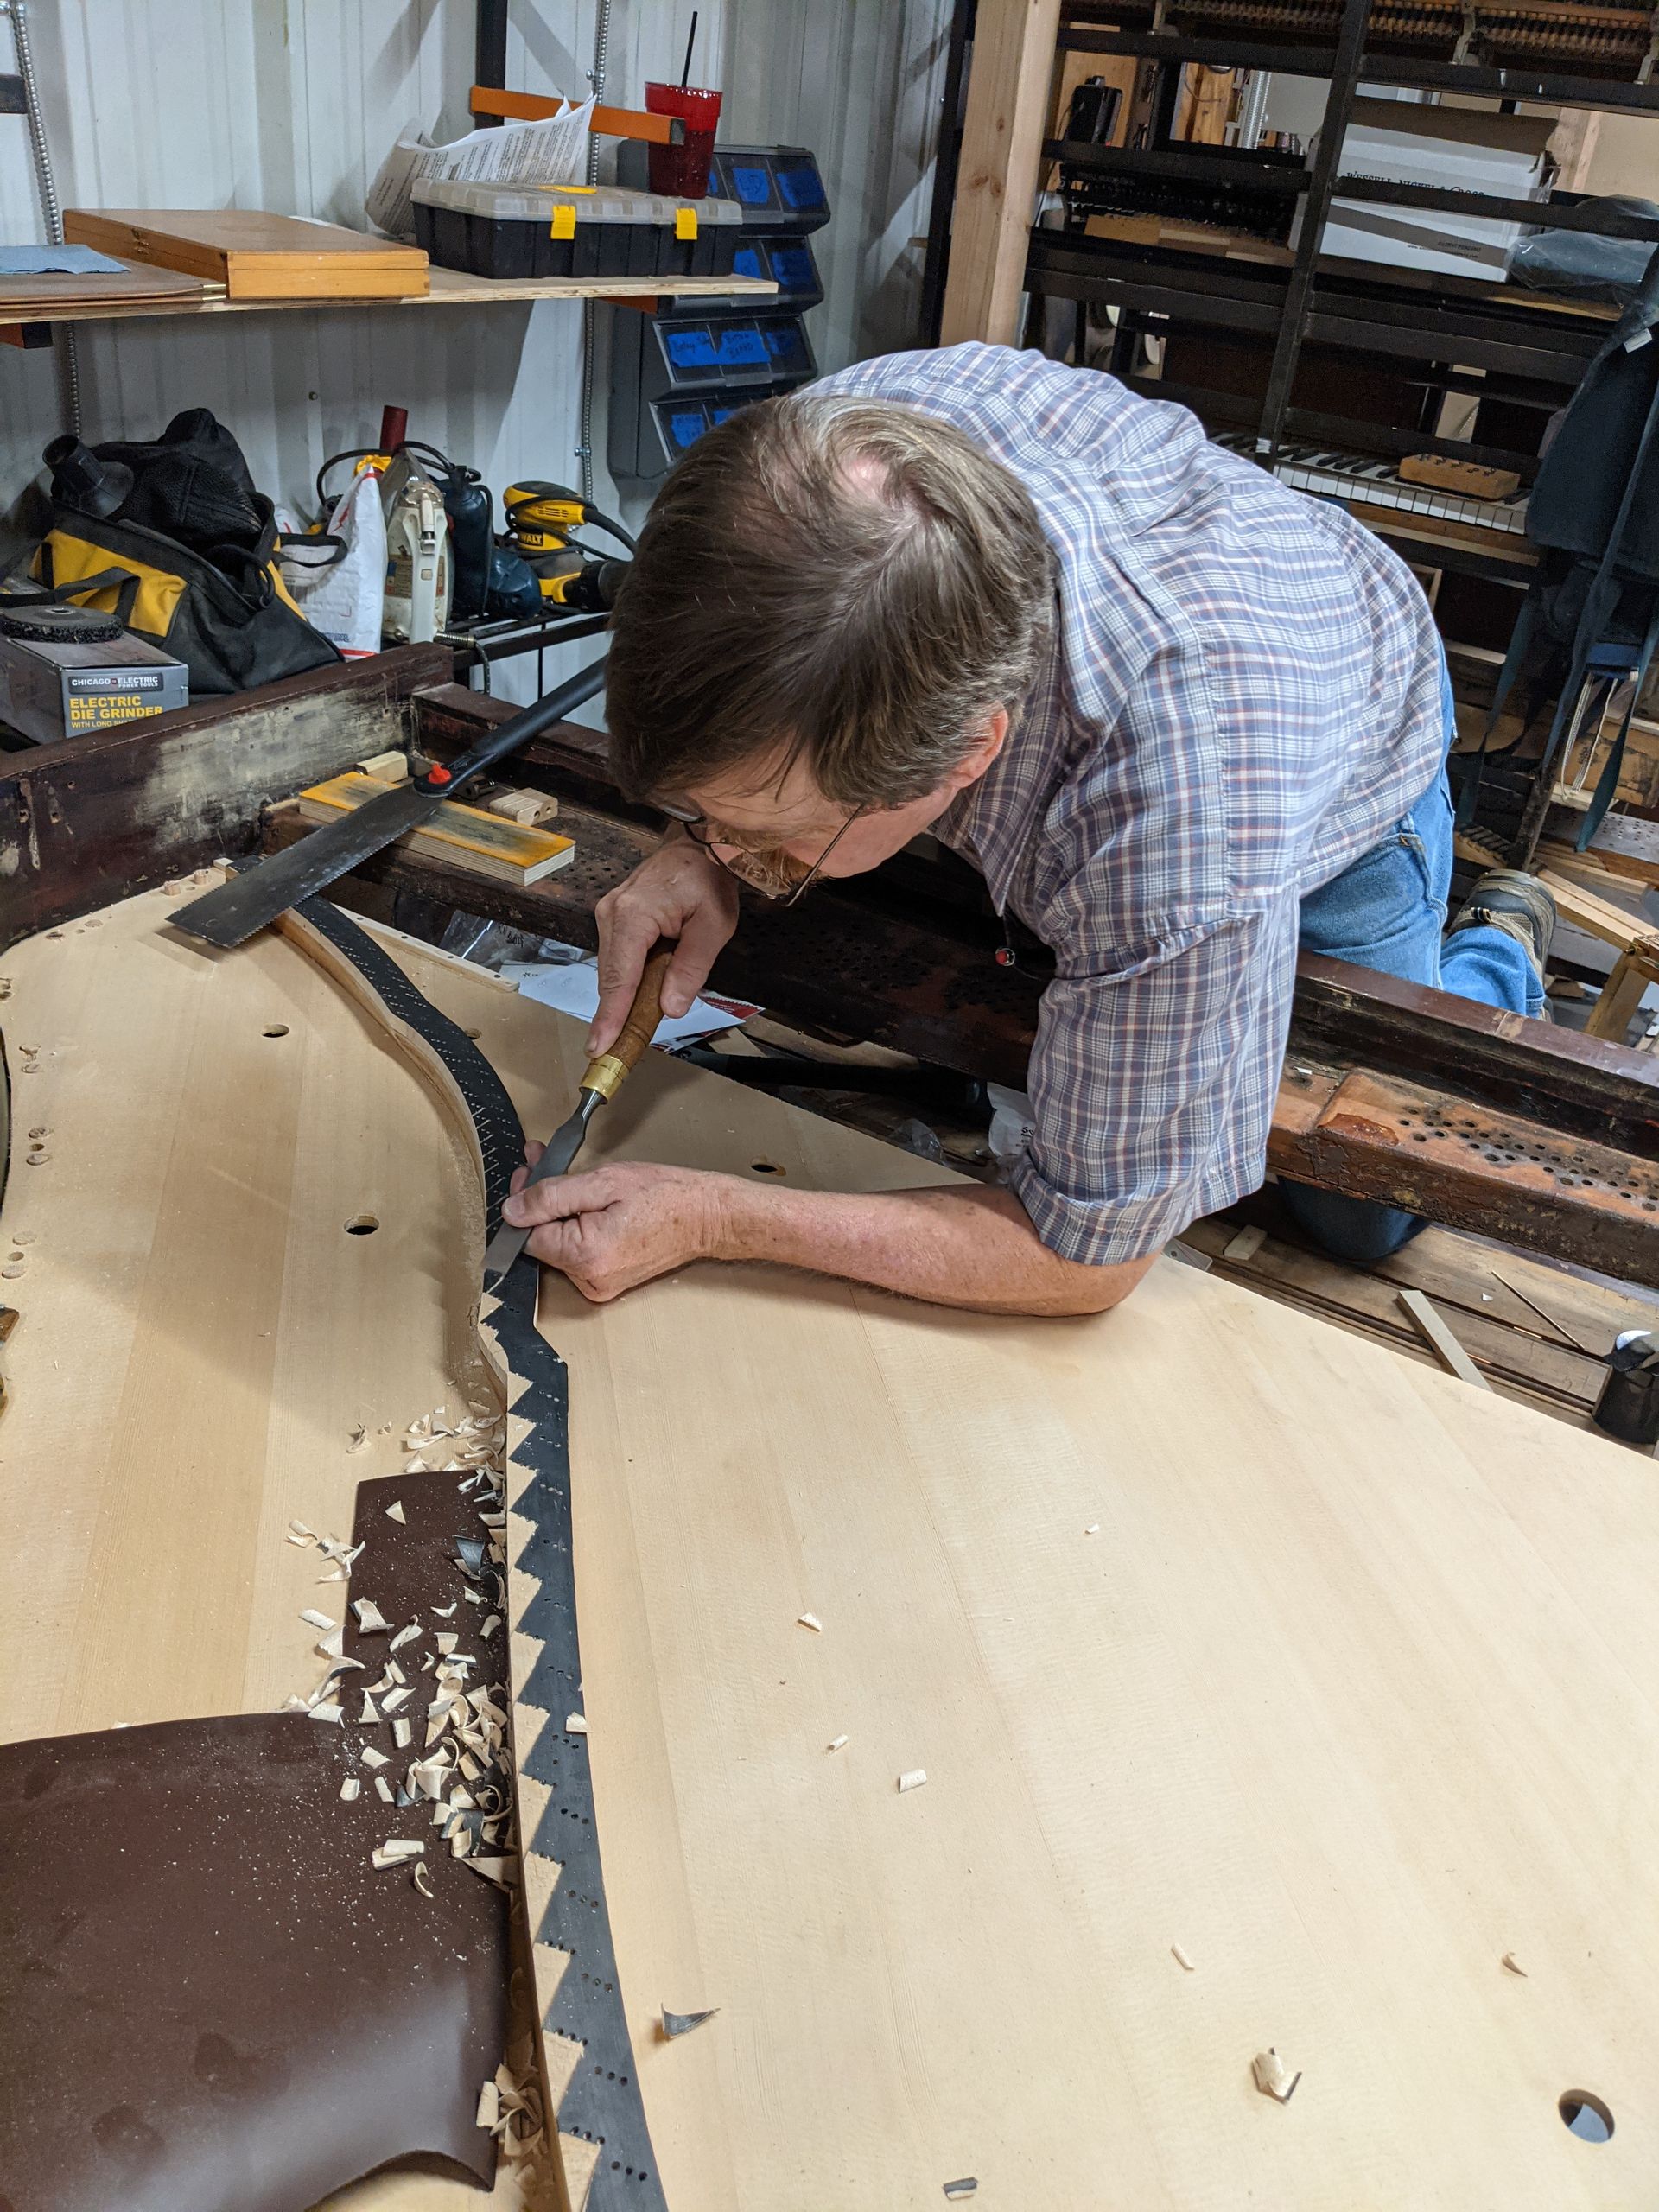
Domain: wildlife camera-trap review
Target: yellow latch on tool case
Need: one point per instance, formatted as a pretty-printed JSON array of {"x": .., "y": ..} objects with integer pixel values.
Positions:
[
  {"x": 563, "y": 225},
  {"x": 685, "y": 222}
]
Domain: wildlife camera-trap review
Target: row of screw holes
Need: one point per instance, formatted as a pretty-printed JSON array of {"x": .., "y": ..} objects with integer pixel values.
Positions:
[{"x": 1552, "y": 1161}]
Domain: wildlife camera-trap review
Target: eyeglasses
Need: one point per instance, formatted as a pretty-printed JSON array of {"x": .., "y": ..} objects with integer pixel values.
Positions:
[{"x": 751, "y": 869}]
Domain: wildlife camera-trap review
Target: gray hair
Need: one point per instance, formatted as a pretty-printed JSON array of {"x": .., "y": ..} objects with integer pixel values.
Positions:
[{"x": 839, "y": 581}]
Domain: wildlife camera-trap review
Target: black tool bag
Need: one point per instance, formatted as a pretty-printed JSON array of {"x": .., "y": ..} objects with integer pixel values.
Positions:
[
  {"x": 174, "y": 540},
  {"x": 1593, "y": 512}
]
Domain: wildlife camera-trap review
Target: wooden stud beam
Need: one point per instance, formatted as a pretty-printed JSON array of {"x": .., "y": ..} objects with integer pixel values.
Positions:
[
  {"x": 1009, "y": 83},
  {"x": 1577, "y": 902},
  {"x": 1624, "y": 845},
  {"x": 1631, "y": 936},
  {"x": 1621, "y": 995},
  {"x": 1438, "y": 1335}
]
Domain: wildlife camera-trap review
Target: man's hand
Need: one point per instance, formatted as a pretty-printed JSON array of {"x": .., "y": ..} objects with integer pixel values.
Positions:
[
  {"x": 959, "y": 1245},
  {"x": 679, "y": 893},
  {"x": 620, "y": 1226}
]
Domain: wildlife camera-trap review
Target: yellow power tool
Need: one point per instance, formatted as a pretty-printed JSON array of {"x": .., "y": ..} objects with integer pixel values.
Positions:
[{"x": 542, "y": 518}]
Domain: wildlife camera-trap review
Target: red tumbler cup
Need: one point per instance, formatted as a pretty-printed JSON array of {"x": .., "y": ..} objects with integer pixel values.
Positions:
[{"x": 683, "y": 171}]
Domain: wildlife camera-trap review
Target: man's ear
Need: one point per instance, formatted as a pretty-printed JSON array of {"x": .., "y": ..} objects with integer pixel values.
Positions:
[{"x": 982, "y": 753}]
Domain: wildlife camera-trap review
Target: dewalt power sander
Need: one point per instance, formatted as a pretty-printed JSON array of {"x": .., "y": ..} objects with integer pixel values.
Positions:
[{"x": 542, "y": 521}]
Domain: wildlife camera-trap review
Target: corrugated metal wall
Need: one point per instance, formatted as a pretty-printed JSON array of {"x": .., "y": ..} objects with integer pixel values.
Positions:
[{"x": 289, "y": 104}]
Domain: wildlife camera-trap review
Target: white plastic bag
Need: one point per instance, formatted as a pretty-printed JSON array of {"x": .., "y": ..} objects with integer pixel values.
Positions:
[
  {"x": 1012, "y": 1126},
  {"x": 343, "y": 598}
]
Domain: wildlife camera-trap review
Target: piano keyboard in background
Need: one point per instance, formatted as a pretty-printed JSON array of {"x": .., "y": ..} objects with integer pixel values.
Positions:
[{"x": 1328, "y": 474}]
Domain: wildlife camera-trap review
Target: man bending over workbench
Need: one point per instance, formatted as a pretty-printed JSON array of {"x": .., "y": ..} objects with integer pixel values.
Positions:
[{"x": 1183, "y": 720}]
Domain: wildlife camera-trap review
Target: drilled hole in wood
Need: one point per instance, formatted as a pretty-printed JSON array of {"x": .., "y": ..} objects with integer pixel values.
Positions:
[
  {"x": 1586, "y": 2116},
  {"x": 474, "y": 1033},
  {"x": 362, "y": 1225},
  {"x": 276, "y": 1029},
  {"x": 765, "y": 1167}
]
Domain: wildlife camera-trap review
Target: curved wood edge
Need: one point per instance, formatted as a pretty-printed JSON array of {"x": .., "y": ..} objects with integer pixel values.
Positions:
[{"x": 583, "y": 2050}]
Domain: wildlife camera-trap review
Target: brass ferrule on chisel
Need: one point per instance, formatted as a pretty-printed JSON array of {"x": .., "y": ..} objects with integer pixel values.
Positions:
[{"x": 605, "y": 1075}]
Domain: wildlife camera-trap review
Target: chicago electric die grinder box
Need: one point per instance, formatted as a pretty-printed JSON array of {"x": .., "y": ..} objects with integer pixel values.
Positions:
[{"x": 65, "y": 670}]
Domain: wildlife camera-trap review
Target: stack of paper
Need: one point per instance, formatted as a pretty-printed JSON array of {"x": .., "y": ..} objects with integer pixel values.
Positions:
[{"x": 551, "y": 151}]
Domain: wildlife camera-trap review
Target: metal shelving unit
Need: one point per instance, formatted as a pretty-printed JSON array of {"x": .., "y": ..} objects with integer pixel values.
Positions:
[{"x": 1440, "y": 334}]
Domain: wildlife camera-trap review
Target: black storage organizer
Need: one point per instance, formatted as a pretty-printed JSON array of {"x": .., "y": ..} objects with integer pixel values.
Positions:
[
  {"x": 676, "y": 373},
  {"x": 508, "y": 231}
]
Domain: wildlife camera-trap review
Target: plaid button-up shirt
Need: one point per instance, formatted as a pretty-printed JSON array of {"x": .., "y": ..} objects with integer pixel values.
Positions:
[{"x": 1243, "y": 696}]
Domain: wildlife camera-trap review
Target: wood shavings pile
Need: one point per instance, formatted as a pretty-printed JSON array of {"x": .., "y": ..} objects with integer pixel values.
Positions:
[
  {"x": 453, "y": 1723},
  {"x": 509, "y": 2106},
  {"x": 473, "y": 1443},
  {"x": 429, "y": 1735}
]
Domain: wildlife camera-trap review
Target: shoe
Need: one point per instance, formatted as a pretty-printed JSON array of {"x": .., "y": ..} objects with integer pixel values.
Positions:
[{"x": 1518, "y": 904}]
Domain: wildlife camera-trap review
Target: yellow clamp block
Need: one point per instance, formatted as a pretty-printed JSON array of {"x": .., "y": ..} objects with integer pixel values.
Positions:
[
  {"x": 563, "y": 225},
  {"x": 685, "y": 222}
]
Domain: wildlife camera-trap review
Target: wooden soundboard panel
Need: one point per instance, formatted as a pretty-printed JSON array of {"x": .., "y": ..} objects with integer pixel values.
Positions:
[{"x": 1273, "y": 1693}]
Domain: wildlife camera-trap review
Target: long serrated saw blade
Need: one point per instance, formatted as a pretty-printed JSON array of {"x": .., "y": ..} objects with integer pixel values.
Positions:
[{"x": 230, "y": 913}]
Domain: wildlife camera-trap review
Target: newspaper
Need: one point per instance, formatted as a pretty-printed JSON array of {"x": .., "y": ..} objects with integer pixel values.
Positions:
[{"x": 551, "y": 151}]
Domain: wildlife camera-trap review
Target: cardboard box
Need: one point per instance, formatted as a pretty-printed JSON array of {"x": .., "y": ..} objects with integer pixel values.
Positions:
[
  {"x": 1457, "y": 149},
  {"x": 61, "y": 689}
]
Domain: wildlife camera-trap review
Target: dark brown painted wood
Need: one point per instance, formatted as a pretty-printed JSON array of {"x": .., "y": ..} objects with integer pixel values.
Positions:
[
  {"x": 1357, "y": 1014},
  {"x": 1577, "y": 1085},
  {"x": 93, "y": 819},
  {"x": 1374, "y": 1136},
  {"x": 828, "y": 961}
]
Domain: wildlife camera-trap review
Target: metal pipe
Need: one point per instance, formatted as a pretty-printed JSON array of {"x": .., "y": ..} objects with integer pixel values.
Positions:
[
  {"x": 64, "y": 334},
  {"x": 590, "y": 307}
]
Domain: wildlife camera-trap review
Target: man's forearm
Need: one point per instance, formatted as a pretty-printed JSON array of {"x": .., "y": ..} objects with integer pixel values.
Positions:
[{"x": 974, "y": 1247}]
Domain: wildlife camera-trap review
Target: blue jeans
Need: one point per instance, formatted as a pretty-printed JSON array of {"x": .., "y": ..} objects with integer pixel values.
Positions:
[{"x": 1386, "y": 912}]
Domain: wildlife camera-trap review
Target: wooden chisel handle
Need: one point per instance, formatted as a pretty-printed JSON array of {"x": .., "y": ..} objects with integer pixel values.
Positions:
[{"x": 605, "y": 1074}]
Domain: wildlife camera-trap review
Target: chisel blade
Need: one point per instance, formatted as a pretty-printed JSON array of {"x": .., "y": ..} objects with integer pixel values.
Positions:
[{"x": 507, "y": 1243}]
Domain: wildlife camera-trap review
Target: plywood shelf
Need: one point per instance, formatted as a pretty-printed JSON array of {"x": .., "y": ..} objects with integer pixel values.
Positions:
[{"x": 450, "y": 287}]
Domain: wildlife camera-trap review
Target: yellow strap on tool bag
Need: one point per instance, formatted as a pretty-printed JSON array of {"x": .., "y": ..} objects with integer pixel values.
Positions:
[
  {"x": 274, "y": 570},
  {"x": 159, "y": 589}
]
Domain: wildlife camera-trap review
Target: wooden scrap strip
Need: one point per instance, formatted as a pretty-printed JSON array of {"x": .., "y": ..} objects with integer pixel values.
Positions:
[{"x": 1437, "y": 1335}]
